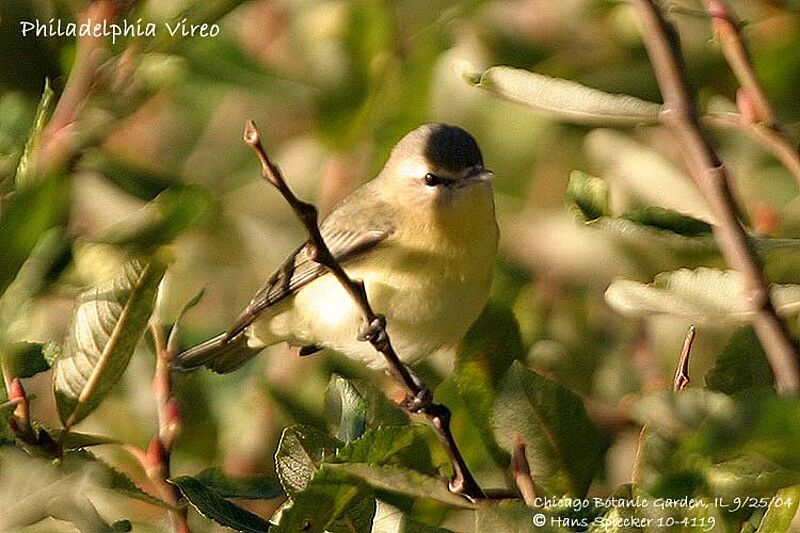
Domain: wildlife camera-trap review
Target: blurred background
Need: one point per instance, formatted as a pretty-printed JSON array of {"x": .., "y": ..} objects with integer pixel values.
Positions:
[{"x": 151, "y": 144}]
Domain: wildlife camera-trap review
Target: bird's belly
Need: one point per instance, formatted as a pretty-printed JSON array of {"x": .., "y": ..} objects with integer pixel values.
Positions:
[{"x": 429, "y": 302}]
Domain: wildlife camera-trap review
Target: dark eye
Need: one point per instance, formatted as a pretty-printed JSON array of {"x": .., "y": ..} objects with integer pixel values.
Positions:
[{"x": 432, "y": 180}]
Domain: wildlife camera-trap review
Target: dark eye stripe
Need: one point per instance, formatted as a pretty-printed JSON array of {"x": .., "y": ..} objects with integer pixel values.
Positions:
[{"x": 433, "y": 180}]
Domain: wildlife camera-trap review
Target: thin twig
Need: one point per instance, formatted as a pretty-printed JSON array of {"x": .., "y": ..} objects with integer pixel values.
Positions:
[
  {"x": 419, "y": 399},
  {"x": 679, "y": 383},
  {"x": 781, "y": 146},
  {"x": 711, "y": 177},
  {"x": 682, "y": 370},
  {"x": 728, "y": 30},
  {"x": 158, "y": 455}
]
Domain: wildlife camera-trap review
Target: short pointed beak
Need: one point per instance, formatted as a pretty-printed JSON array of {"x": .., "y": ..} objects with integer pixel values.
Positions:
[{"x": 481, "y": 174}]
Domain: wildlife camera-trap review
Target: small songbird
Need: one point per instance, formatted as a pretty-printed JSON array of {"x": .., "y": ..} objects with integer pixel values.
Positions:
[{"x": 422, "y": 236}]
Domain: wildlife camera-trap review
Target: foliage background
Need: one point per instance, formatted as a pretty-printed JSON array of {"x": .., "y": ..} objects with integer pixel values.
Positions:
[{"x": 333, "y": 84}]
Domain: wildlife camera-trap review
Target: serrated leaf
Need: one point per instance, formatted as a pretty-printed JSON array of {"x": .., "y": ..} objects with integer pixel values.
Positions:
[
  {"x": 26, "y": 218},
  {"x": 255, "y": 487},
  {"x": 565, "y": 100},
  {"x": 330, "y": 496},
  {"x": 225, "y": 513},
  {"x": 106, "y": 326},
  {"x": 589, "y": 195},
  {"x": 380, "y": 410},
  {"x": 403, "y": 481},
  {"x": 107, "y": 476},
  {"x": 300, "y": 451},
  {"x": 71, "y": 440},
  {"x": 740, "y": 365},
  {"x": 704, "y": 295},
  {"x": 378, "y": 445},
  {"x": 564, "y": 447},
  {"x": 781, "y": 511},
  {"x": 346, "y": 408},
  {"x": 489, "y": 348},
  {"x": 43, "y": 111}
]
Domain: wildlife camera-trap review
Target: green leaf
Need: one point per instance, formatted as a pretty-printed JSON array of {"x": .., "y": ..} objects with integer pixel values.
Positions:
[
  {"x": 40, "y": 119},
  {"x": 300, "y": 451},
  {"x": 644, "y": 174},
  {"x": 670, "y": 221},
  {"x": 781, "y": 511},
  {"x": 171, "y": 213},
  {"x": 106, "y": 326},
  {"x": 346, "y": 407},
  {"x": 330, "y": 496},
  {"x": 588, "y": 195},
  {"x": 24, "y": 360},
  {"x": 45, "y": 263},
  {"x": 749, "y": 474},
  {"x": 143, "y": 183},
  {"x": 565, "y": 100},
  {"x": 225, "y": 513},
  {"x": 740, "y": 365},
  {"x": 379, "y": 445},
  {"x": 380, "y": 410},
  {"x": 563, "y": 446},
  {"x": 614, "y": 517},
  {"x": 510, "y": 516},
  {"x": 491, "y": 345},
  {"x": 403, "y": 481},
  {"x": 391, "y": 519},
  {"x": 71, "y": 440},
  {"x": 30, "y": 213},
  {"x": 256, "y": 487},
  {"x": 35, "y": 489},
  {"x": 107, "y": 476},
  {"x": 704, "y": 295},
  {"x": 672, "y": 414}
]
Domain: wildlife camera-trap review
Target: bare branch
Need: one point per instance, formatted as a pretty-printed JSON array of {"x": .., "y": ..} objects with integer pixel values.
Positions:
[
  {"x": 419, "y": 399},
  {"x": 711, "y": 177},
  {"x": 682, "y": 371},
  {"x": 158, "y": 456},
  {"x": 729, "y": 32}
]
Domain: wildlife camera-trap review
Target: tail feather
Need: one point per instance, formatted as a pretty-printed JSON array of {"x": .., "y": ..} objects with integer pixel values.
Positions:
[{"x": 220, "y": 354}]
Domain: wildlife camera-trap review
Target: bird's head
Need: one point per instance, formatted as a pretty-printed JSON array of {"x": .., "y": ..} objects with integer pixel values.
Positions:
[{"x": 440, "y": 168}]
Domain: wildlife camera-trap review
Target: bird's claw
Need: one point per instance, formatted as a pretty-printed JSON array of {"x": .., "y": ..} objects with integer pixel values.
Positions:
[
  {"x": 418, "y": 402},
  {"x": 375, "y": 331}
]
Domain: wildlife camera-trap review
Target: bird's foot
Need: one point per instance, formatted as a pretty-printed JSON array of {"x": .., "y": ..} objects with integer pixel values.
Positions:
[
  {"x": 420, "y": 402},
  {"x": 375, "y": 333}
]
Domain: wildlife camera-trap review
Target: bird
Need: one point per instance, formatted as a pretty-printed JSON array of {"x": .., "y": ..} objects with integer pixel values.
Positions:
[{"x": 422, "y": 236}]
